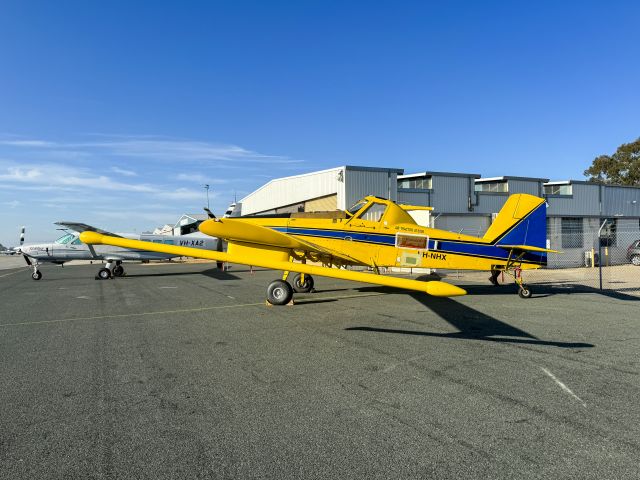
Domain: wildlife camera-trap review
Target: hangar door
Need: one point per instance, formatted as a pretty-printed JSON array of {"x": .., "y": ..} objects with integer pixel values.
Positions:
[{"x": 322, "y": 204}]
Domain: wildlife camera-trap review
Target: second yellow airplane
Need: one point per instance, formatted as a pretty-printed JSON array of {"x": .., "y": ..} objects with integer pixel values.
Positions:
[{"x": 374, "y": 233}]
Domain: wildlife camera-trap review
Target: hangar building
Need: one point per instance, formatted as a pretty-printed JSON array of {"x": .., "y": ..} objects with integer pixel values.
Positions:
[
  {"x": 468, "y": 203},
  {"x": 335, "y": 188}
]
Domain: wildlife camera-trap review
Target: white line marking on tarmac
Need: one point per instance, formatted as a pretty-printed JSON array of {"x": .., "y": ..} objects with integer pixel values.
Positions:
[
  {"x": 84, "y": 297},
  {"x": 563, "y": 386},
  {"x": 167, "y": 287},
  {"x": 169, "y": 312},
  {"x": 7, "y": 274}
]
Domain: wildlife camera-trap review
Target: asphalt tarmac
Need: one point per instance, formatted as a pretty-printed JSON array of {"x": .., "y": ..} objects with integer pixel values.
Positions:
[{"x": 181, "y": 371}]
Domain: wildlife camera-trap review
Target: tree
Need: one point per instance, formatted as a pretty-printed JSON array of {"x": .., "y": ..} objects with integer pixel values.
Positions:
[{"x": 623, "y": 167}]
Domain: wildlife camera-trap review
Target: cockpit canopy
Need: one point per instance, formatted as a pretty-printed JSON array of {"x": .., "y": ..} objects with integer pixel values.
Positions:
[
  {"x": 368, "y": 209},
  {"x": 376, "y": 209}
]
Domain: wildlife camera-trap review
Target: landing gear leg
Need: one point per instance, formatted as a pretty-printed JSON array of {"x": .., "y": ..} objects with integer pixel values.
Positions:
[
  {"x": 516, "y": 273},
  {"x": 36, "y": 274},
  {"x": 523, "y": 290},
  {"x": 118, "y": 270}
]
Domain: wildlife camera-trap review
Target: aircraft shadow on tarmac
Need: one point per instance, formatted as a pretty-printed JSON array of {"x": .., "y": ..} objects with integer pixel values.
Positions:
[{"x": 472, "y": 325}]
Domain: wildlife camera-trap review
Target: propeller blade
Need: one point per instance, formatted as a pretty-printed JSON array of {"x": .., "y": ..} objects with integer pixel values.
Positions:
[
  {"x": 210, "y": 213},
  {"x": 21, "y": 236},
  {"x": 26, "y": 259}
]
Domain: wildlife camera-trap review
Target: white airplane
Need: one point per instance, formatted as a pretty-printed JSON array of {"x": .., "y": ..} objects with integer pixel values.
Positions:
[{"x": 69, "y": 247}]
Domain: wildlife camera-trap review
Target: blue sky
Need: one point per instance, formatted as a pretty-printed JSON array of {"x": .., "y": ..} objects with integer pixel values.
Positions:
[{"x": 116, "y": 113}]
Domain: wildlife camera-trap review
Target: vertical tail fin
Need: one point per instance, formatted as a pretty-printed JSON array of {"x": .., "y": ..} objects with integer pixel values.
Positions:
[{"x": 521, "y": 221}]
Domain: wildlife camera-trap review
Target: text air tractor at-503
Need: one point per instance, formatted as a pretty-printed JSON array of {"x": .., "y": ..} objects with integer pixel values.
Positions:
[{"x": 375, "y": 233}]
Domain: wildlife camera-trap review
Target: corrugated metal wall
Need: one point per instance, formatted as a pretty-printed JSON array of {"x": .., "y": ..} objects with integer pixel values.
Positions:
[
  {"x": 291, "y": 190},
  {"x": 620, "y": 201},
  {"x": 525, "y": 186},
  {"x": 491, "y": 202},
  {"x": 360, "y": 183},
  {"x": 583, "y": 202},
  {"x": 467, "y": 224},
  {"x": 414, "y": 197},
  {"x": 450, "y": 194}
]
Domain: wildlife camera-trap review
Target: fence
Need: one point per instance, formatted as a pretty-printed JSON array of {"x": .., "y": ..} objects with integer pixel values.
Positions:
[{"x": 595, "y": 254}]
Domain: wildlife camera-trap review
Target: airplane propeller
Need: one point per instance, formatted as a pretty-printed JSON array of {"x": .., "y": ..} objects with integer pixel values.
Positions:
[
  {"x": 19, "y": 249},
  {"x": 210, "y": 213},
  {"x": 219, "y": 245}
]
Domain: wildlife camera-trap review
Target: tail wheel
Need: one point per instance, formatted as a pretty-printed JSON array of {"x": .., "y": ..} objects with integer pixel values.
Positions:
[
  {"x": 300, "y": 286},
  {"x": 636, "y": 260},
  {"x": 279, "y": 292},
  {"x": 525, "y": 292},
  {"x": 118, "y": 270},
  {"x": 36, "y": 275},
  {"x": 104, "y": 274}
]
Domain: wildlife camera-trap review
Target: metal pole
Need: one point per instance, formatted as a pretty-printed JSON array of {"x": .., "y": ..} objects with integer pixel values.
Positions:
[{"x": 600, "y": 251}]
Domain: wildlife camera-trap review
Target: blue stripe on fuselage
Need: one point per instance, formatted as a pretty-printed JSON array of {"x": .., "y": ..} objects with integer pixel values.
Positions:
[{"x": 444, "y": 246}]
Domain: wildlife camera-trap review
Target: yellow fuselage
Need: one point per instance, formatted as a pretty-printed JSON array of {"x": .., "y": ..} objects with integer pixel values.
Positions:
[{"x": 381, "y": 244}]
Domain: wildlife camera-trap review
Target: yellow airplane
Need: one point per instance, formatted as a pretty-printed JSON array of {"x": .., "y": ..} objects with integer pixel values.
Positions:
[{"x": 376, "y": 233}]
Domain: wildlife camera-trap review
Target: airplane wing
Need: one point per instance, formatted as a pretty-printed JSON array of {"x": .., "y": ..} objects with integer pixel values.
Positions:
[
  {"x": 274, "y": 259},
  {"x": 240, "y": 231},
  {"x": 83, "y": 227}
]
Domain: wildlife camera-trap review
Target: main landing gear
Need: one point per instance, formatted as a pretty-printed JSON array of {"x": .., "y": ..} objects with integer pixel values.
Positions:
[
  {"x": 110, "y": 270},
  {"x": 302, "y": 283},
  {"x": 280, "y": 292}
]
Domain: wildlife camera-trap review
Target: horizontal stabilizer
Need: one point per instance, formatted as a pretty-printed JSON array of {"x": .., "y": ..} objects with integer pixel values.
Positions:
[{"x": 529, "y": 248}]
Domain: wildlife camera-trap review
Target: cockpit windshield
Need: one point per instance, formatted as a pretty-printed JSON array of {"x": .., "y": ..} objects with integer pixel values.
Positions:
[
  {"x": 353, "y": 210},
  {"x": 374, "y": 212},
  {"x": 66, "y": 238}
]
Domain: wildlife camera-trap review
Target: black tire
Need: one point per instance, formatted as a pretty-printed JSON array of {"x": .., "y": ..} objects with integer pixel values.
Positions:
[
  {"x": 635, "y": 260},
  {"x": 279, "y": 292},
  {"x": 104, "y": 274},
  {"x": 301, "y": 287},
  {"x": 525, "y": 292},
  {"x": 37, "y": 275},
  {"x": 118, "y": 271}
]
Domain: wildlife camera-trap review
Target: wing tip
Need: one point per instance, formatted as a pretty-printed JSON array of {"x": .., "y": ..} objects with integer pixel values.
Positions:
[{"x": 443, "y": 289}]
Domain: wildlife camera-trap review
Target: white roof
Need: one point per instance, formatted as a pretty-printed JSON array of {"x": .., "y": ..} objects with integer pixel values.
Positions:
[{"x": 292, "y": 177}]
